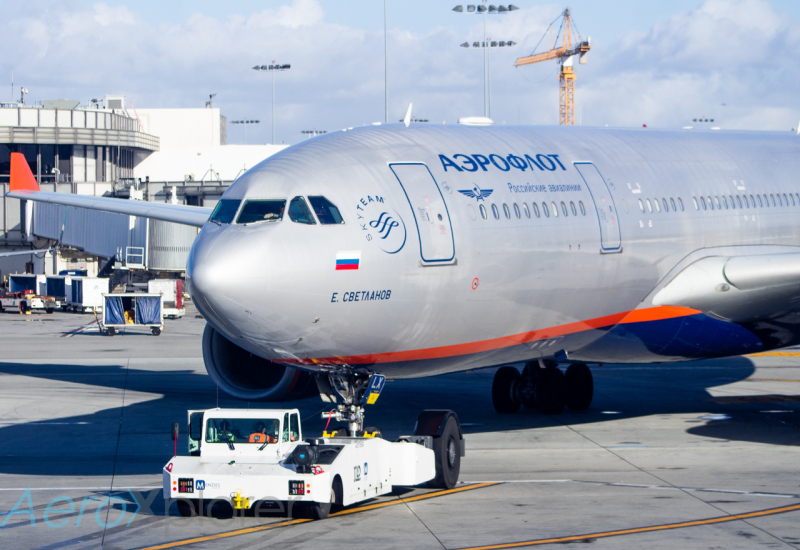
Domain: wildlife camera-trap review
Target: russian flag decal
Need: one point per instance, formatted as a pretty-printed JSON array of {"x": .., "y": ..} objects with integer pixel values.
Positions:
[{"x": 348, "y": 259}]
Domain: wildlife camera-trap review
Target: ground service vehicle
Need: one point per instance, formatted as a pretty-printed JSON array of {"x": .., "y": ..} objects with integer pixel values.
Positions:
[
  {"x": 26, "y": 301},
  {"x": 254, "y": 457}
]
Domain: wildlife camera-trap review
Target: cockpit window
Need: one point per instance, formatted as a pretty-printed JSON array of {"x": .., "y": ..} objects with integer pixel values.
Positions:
[
  {"x": 225, "y": 210},
  {"x": 299, "y": 212},
  {"x": 262, "y": 211},
  {"x": 326, "y": 211}
]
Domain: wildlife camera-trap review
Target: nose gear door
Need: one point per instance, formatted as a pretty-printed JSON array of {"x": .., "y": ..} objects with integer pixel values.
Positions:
[{"x": 436, "y": 243}]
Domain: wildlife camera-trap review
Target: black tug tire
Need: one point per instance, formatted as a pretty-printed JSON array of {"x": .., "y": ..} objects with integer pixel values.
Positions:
[
  {"x": 550, "y": 391},
  {"x": 156, "y": 331},
  {"x": 505, "y": 390},
  {"x": 447, "y": 453},
  {"x": 49, "y": 310},
  {"x": 579, "y": 387},
  {"x": 188, "y": 508},
  {"x": 111, "y": 331},
  {"x": 320, "y": 510},
  {"x": 527, "y": 392},
  {"x": 23, "y": 307}
]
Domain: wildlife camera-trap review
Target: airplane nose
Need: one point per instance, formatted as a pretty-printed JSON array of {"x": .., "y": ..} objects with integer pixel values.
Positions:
[{"x": 212, "y": 270}]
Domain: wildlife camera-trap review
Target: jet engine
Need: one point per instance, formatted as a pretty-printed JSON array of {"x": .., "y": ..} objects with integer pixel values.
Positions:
[{"x": 241, "y": 374}]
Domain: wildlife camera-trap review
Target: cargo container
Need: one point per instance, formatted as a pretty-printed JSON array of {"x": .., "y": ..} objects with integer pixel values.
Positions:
[
  {"x": 132, "y": 309},
  {"x": 86, "y": 294},
  {"x": 172, "y": 290}
]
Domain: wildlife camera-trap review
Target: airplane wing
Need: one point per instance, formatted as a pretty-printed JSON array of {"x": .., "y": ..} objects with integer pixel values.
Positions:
[
  {"x": 21, "y": 252},
  {"x": 24, "y": 186},
  {"x": 737, "y": 288}
]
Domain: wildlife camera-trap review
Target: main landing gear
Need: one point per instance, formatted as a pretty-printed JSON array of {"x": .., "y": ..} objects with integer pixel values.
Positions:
[{"x": 542, "y": 386}]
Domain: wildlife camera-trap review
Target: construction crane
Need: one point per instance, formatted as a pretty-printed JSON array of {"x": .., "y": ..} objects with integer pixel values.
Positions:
[{"x": 564, "y": 54}]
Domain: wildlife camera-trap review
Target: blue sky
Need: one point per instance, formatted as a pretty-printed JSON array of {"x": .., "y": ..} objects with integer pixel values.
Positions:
[{"x": 655, "y": 63}]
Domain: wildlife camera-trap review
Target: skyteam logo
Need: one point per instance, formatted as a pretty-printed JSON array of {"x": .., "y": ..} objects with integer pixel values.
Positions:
[
  {"x": 381, "y": 224},
  {"x": 476, "y": 193}
]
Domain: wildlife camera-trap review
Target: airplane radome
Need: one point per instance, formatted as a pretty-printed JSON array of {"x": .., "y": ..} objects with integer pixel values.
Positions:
[{"x": 421, "y": 250}]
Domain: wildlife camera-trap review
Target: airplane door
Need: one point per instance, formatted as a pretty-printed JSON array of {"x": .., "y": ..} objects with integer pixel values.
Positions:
[
  {"x": 432, "y": 219},
  {"x": 610, "y": 239}
]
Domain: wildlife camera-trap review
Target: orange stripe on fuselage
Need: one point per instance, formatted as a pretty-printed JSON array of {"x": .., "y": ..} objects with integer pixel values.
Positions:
[{"x": 635, "y": 316}]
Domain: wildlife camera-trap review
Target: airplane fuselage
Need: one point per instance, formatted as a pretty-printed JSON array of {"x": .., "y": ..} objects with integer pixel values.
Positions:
[{"x": 466, "y": 247}]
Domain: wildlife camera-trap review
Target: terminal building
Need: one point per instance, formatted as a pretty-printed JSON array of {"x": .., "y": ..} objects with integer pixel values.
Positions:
[{"x": 106, "y": 149}]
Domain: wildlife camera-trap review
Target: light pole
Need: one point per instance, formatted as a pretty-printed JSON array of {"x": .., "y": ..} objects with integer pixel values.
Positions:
[
  {"x": 245, "y": 122},
  {"x": 273, "y": 68},
  {"x": 481, "y": 9}
]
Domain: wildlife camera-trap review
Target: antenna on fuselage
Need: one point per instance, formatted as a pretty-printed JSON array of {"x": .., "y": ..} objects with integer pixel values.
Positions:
[{"x": 407, "y": 120}]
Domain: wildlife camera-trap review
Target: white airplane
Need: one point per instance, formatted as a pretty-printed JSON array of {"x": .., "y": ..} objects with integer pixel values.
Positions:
[{"x": 418, "y": 250}]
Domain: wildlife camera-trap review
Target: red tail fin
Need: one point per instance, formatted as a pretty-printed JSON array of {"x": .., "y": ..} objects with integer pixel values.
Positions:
[{"x": 21, "y": 175}]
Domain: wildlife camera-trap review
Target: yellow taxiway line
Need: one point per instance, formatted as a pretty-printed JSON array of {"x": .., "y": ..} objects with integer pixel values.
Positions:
[
  {"x": 605, "y": 534},
  {"x": 249, "y": 530}
]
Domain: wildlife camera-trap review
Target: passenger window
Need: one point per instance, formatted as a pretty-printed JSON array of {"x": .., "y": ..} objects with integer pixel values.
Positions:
[
  {"x": 535, "y": 209},
  {"x": 666, "y": 206},
  {"x": 724, "y": 202},
  {"x": 641, "y": 206},
  {"x": 753, "y": 201},
  {"x": 572, "y": 207},
  {"x": 716, "y": 201},
  {"x": 526, "y": 209},
  {"x": 555, "y": 209},
  {"x": 225, "y": 210},
  {"x": 583, "y": 209},
  {"x": 733, "y": 204},
  {"x": 696, "y": 206},
  {"x": 771, "y": 196},
  {"x": 785, "y": 200},
  {"x": 672, "y": 202},
  {"x": 739, "y": 200},
  {"x": 483, "y": 212},
  {"x": 299, "y": 212},
  {"x": 798, "y": 197},
  {"x": 495, "y": 212},
  {"x": 746, "y": 202},
  {"x": 658, "y": 205},
  {"x": 261, "y": 211},
  {"x": 516, "y": 211},
  {"x": 792, "y": 197},
  {"x": 326, "y": 211},
  {"x": 703, "y": 202},
  {"x": 780, "y": 202},
  {"x": 649, "y": 205},
  {"x": 680, "y": 203},
  {"x": 545, "y": 210},
  {"x": 564, "y": 209},
  {"x": 506, "y": 211},
  {"x": 710, "y": 203},
  {"x": 760, "y": 204}
]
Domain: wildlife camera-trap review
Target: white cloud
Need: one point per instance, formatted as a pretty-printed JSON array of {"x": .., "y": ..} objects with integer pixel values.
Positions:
[{"x": 737, "y": 52}]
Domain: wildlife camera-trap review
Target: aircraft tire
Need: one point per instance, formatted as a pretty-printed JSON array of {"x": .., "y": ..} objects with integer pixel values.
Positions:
[
  {"x": 579, "y": 387},
  {"x": 505, "y": 390},
  {"x": 550, "y": 391},
  {"x": 527, "y": 393},
  {"x": 447, "y": 456}
]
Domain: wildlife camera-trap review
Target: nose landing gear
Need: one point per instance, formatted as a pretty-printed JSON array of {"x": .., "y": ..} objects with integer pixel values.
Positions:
[{"x": 542, "y": 385}]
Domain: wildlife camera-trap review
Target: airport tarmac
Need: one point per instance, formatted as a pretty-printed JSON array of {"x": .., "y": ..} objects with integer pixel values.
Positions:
[{"x": 694, "y": 455}]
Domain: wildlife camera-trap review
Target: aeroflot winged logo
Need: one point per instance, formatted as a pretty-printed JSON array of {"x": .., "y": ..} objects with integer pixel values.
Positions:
[
  {"x": 381, "y": 224},
  {"x": 476, "y": 193}
]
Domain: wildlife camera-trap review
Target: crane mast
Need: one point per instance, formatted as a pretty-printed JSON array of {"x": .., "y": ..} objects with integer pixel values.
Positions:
[{"x": 564, "y": 54}]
